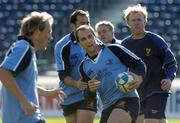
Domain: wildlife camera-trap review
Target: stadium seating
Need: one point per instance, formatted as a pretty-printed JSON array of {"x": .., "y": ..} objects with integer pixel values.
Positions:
[
  {"x": 163, "y": 19},
  {"x": 12, "y": 11}
]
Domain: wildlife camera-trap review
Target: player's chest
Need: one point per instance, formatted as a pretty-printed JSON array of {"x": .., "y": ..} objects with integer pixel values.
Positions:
[
  {"x": 76, "y": 53},
  {"x": 143, "y": 50},
  {"x": 103, "y": 65}
]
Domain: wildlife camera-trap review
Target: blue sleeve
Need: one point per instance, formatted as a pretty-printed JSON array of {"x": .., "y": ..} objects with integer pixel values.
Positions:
[
  {"x": 17, "y": 58},
  {"x": 87, "y": 94},
  {"x": 62, "y": 54},
  {"x": 129, "y": 59},
  {"x": 168, "y": 59},
  {"x": 24, "y": 62}
]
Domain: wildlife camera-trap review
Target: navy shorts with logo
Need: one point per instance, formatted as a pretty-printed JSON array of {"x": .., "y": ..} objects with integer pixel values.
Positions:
[
  {"x": 129, "y": 104},
  {"x": 154, "y": 106},
  {"x": 90, "y": 105}
]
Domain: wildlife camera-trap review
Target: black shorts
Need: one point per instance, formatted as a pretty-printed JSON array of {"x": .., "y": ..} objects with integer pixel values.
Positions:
[
  {"x": 84, "y": 105},
  {"x": 129, "y": 104},
  {"x": 41, "y": 121},
  {"x": 154, "y": 106}
]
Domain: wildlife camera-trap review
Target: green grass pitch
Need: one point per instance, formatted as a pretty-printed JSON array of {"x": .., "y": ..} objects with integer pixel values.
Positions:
[{"x": 62, "y": 120}]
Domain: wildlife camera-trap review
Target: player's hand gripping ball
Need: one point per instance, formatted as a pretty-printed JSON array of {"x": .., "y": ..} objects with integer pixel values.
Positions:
[{"x": 122, "y": 80}]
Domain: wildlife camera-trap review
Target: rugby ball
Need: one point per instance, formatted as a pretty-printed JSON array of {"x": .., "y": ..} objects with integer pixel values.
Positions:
[{"x": 122, "y": 80}]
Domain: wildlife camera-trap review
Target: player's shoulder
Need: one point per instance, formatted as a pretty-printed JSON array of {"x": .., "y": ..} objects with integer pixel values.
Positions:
[
  {"x": 17, "y": 52},
  {"x": 153, "y": 35},
  {"x": 115, "y": 45},
  {"x": 155, "y": 38},
  {"x": 118, "y": 41},
  {"x": 63, "y": 41},
  {"x": 126, "y": 39},
  {"x": 21, "y": 46}
]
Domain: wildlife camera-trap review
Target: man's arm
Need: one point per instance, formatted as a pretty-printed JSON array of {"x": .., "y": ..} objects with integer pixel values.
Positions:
[
  {"x": 53, "y": 93},
  {"x": 136, "y": 65},
  {"x": 9, "y": 82},
  {"x": 63, "y": 65},
  {"x": 68, "y": 80},
  {"x": 129, "y": 59},
  {"x": 169, "y": 65}
]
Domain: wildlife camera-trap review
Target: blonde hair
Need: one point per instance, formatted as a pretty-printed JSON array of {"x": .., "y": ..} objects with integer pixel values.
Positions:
[
  {"x": 105, "y": 23},
  {"x": 135, "y": 8},
  {"x": 33, "y": 21}
]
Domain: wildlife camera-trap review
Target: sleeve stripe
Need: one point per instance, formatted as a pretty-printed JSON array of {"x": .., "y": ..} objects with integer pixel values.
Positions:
[
  {"x": 21, "y": 58},
  {"x": 61, "y": 57}
]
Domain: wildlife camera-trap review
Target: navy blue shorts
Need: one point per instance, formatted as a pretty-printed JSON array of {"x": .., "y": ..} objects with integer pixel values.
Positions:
[
  {"x": 41, "y": 121},
  {"x": 129, "y": 104},
  {"x": 154, "y": 106},
  {"x": 84, "y": 105}
]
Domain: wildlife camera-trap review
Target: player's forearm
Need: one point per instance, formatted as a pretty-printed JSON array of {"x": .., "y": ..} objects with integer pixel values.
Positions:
[
  {"x": 67, "y": 79},
  {"x": 140, "y": 68},
  {"x": 171, "y": 70},
  {"x": 9, "y": 82},
  {"x": 70, "y": 82},
  {"x": 41, "y": 91}
]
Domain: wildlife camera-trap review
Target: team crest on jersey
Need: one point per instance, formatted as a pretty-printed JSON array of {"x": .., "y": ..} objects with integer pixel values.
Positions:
[
  {"x": 148, "y": 52},
  {"x": 90, "y": 103},
  {"x": 121, "y": 104}
]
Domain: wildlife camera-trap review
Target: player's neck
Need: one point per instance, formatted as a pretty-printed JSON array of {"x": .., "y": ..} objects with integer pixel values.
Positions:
[
  {"x": 139, "y": 35},
  {"x": 95, "y": 53}
]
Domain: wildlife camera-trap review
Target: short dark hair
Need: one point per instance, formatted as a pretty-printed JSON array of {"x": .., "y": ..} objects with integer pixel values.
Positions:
[{"x": 73, "y": 17}]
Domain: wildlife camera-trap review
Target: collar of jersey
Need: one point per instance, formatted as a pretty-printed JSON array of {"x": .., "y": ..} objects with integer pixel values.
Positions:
[
  {"x": 96, "y": 57},
  {"x": 73, "y": 39},
  {"x": 113, "y": 40},
  {"x": 26, "y": 39}
]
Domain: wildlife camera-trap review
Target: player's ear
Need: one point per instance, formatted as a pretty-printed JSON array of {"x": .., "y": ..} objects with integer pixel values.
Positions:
[
  {"x": 35, "y": 34},
  {"x": 37, "y": 31},
  {"x": 73, "y": 26},
  {"x": 145, "y": 21},
  {"x": 80, "y": 44},
  {"x": 127, "y": 23}
]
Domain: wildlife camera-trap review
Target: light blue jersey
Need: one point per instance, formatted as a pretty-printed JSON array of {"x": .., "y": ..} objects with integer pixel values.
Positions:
[
  {"x": 21, "y": 61},
  {"x": 68, "y": 56},
  {"x": 106, "y": 66}
]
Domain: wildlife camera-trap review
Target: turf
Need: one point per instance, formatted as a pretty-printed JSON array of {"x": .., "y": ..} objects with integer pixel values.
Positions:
[{"x": 62, "y": 120}]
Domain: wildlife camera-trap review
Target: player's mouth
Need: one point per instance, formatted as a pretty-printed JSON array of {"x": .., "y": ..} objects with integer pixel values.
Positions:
[
  {"x": 103, "y": 38},
  {"x": 90, "y": 45}
]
